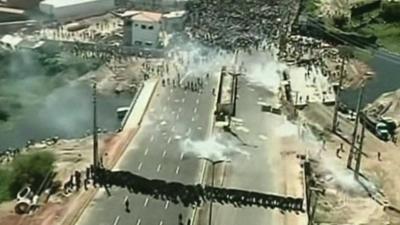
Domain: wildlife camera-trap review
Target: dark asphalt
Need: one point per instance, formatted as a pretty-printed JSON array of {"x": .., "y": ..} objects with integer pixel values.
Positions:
[
  {"x": 173, "y": 115},
  {"x": 257, "y": 171}
]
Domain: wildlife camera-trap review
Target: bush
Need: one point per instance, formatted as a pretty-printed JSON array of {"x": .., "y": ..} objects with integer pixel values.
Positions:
[
  {"x": 5, "y": 181},
  {"x": 31, "y": 169}
]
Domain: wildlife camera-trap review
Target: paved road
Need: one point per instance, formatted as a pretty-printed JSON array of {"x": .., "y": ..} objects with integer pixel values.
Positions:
[
  {"x": 174, "y": 114},
  {"x": 256, "y": 172}
]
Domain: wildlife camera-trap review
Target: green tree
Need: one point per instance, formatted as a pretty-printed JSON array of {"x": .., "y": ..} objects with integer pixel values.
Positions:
[
  {"x": 5, "y": 181},
  {"x": 31, "y": 169}
]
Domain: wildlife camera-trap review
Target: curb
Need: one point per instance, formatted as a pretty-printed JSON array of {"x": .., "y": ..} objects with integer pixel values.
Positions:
[
  {"x": 92, "y": 194},
  {"x": 210, "y": 131}
]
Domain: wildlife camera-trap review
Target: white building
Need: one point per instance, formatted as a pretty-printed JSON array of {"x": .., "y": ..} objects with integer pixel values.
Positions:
[
  {"x": 143, "y": 29},
  {"x": 75, "y": 9},
  {"x": 174, "y": 21}
]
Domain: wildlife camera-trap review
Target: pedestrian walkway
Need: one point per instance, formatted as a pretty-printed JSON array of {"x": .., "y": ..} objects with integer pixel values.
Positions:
[{"x": 137, "y": 112}]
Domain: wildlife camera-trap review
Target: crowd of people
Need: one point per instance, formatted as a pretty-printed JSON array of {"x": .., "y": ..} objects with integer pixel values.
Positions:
[
  {"x": 193, "y": 195},
  {"x": 9, "y": 154},
  {"x": 235, "y": 25}
]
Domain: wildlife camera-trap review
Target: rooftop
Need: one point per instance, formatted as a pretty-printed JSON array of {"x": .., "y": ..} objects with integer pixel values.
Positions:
[
  {"x": 61, "y": 3},
  {"x": 146, "y": 16}
]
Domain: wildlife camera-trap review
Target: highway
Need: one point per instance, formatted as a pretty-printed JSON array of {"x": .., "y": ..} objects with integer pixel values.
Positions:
[
  {"x": 173, "y": 115},
  {"x": 258, "y": 172}
]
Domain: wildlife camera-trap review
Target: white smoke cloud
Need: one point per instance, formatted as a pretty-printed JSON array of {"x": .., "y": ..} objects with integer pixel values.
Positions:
[
  {"x": 261, "y": 69},
  {"x": 217, "y": 147}
]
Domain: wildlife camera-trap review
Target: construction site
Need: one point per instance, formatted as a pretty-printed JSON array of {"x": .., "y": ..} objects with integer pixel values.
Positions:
[{"x": 195, "y": 112}]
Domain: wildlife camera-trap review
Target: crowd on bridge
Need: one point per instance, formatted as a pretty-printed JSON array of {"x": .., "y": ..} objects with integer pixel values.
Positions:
[{"x": 193, "y": 195}]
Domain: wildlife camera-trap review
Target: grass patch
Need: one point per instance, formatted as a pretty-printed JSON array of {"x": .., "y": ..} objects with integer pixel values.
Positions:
[{"x": 387, "y": 33}]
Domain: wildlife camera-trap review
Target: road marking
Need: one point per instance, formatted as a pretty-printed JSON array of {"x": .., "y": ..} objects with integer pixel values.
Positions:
[
  {"x": 152, "y": 138},
  {"x": 116, "y": 220},
  {"x": 146, "y": 202},
  {"x": 138, "y": 222},
  {"x": 161, "y": 223},
  {"x": 193, "y": 119},
  {"x": 183, "y": 100},
  {"x": 188, "y": 131},
  {"x": 166, "y": 205},
  {"x": 158, "y": 167},
  {"x": 177, "y": 116},
  {"x": 173, "y": 128},
  {"x": 168, "y": 98},
  {"x": 146, "y": 151},
  {"x": 181, "y": 157},
  {"x": 140, "y": 166},
  {"x": 195, "y": 110},
  {"x": 197, "y": 101},
  {"x": 169, "y": 140},
  {"x": 199, "y": 128},
  {"x": 180, "y": 109},
  {"x": 177, "y": 170},
  {"x": 164, "y": 153}
]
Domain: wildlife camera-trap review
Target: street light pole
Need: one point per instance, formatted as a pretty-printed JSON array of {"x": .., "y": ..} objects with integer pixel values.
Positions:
[
  {"x": 95, "y": 142},
  {"x": 213, "y": 163}
]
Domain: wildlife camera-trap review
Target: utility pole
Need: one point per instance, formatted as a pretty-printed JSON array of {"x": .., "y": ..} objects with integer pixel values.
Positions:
[
  {"x": 353, "y": 141},
  {"x": 95, "y": 141},
  {"x": 359, "y": 152},
  {"x": 335, "y": 114}
]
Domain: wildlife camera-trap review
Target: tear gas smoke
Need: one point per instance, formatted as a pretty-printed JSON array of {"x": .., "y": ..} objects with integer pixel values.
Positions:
[
  {"x": 261, "y": 69},
  {"x": 335, "y": 174},
  {"x": 218, "y": 147},
  {"x": 286, "y": 129},
  {"x": 199, "y": 59}
]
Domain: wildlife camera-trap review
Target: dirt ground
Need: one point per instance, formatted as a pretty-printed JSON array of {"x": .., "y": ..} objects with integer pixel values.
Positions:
[{"x": 345, "y": 201}]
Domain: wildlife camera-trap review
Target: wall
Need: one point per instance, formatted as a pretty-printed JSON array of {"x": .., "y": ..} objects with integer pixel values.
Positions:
[
  {"x": 77, "y": 11},
  {"x": 23, "y": 4},
  {"x": 145, "y": 35}
]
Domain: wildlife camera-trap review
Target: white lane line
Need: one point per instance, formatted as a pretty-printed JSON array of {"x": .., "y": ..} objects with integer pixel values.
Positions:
[
  {"x": 151, "y": 138},
  {"x": 164, "y": 153},
  {"x": 183, "y": 100},
  {"x": 146, "y": 202},
  {"x": 161, "y": 223},
  {"x": 140, "y": 166},
  {"x": 173, "y": 128},
  {"x": 146, "y": 151},
  {"x": 158, "y": 167},
  {"x": 166, "y": 205},
  {"x": 138, "y": 222},
  {"x": 181, "y": 157},
  {"x": 193, "y": 119},
  {"x": 177, "y": 170},
  {"x": 197, "y": 101},
  {"x": 177, "y": 116},
  {"x": 188, "y": 131},
  {"x": 169, "y": 140},
  {"x": 116, "y": 221},
  {"x": 195, "y": 110}
]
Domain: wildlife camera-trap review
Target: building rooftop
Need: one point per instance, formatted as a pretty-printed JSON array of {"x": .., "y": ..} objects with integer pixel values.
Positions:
[
  {"x": 61, "y": 3},
  {"x": 146, "y": 16}
]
